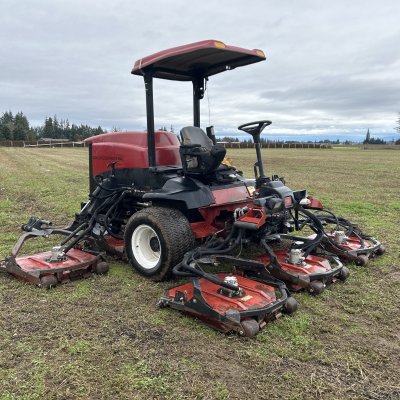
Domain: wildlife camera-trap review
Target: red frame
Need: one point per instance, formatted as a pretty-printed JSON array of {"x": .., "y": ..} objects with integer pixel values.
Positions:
[
  {"x": 228, "y": 199},
  {"x": 130, "y": 150}
]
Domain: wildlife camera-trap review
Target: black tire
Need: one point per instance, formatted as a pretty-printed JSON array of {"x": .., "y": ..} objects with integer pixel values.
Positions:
[
  {"x": 48, "y": 281},
  {"x": 343, "y": 274},
  {"x": 381, "y": 250},
  {"x": 316, "y": 288},
  {"x": 361, "y": 260},
  {"x": 101, "y": 268},
  {"x": 250, "y": 327},
  {"x": 290, "y": 306},
  {"x": 156, "y": 239}
]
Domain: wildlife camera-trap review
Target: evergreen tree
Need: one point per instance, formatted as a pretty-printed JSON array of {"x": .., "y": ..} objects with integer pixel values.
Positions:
[
  {"x": 37, "y": 132},
  {"x": 98, "y": 130},
  {"x": 56, "y": 128},
  {"x": 48, "y": 131},
  {"x": 31, "y": 134},
  {"x": 21, "y": 127},
  {"x": 367, "y": 138},
  {"x": 74, "y": 133},
  {"x": 376, "y": 141},
  {"x": 7, "y": 126}
]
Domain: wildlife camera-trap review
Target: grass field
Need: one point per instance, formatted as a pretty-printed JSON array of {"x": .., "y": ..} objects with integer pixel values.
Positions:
[{"x": 104, "y": 337}]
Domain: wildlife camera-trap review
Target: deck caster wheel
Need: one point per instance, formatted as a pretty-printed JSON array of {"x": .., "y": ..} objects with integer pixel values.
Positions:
[
  {"x": 316, "y": 287},
  {"x": 362, "y": 260},
  {"x": 48, "y": 281},
  {"x": 381, "y": 250},
  {"x": 343, "y": 274},
  {"x": 291, "y": 306},
  {"x": 250, "y": 328},
  {"x": 101, "y": 268}
]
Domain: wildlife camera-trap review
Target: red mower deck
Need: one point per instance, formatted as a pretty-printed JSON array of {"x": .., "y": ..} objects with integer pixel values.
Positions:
[
  {"x": 353, "y": 248},
  {"x": 47, "y": 269},
  {"x": 245, "y": 311},
  {"x": 318, "y": 271}
]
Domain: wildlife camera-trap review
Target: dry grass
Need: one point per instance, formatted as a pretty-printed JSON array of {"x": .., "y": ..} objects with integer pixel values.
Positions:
[{"x": 104, "y": 338}]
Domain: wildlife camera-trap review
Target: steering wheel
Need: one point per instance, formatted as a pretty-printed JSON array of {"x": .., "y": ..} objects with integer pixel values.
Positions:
[{"x": 254, "y": 128}]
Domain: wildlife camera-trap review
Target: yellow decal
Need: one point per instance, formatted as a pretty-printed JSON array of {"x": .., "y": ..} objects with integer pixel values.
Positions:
[
  {"x": 220, "y": 45},
  {"x": 260, "y": 53}
]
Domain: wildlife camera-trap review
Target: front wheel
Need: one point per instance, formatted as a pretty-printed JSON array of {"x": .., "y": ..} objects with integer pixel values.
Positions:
[{"x": 156, "y": 238}]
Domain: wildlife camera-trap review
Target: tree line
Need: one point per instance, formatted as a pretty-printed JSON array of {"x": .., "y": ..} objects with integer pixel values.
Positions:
[
  {"x": 371, "y": 140},
  {"x": 264, "y": 141},
  {"x": 17, "y": 127}
]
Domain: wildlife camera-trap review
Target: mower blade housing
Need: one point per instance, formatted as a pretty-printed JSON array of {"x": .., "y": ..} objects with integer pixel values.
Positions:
[
  {"x": 245, "y": 313},
  {"x": 312, "y": 268}
]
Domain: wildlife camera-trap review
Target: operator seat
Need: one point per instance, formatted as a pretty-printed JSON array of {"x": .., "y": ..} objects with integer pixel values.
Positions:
[{"x": 199, "y": 155}]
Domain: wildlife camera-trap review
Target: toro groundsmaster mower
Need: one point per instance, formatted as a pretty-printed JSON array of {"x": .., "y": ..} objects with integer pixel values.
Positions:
[{"x": 173, "y": 207}]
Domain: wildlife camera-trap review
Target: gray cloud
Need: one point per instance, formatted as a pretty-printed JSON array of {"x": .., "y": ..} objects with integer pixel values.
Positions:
[{"x": 330, "y": 68}]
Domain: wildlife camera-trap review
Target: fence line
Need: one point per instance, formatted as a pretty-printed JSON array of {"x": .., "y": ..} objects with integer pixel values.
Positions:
[
  {"x": 275, "y": 145},
  {"x": 59, "y": 144},
  {"x": 228, "y": 145},
  {"x": 39, "y": 143}
]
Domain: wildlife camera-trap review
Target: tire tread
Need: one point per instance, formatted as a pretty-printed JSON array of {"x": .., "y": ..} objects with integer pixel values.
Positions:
[{"x": 176, "y": 232}]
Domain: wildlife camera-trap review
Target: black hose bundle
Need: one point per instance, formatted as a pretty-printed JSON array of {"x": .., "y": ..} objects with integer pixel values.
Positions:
[
  {"x": 185, "y": 268},
  {"x": 99, "y": 202}
]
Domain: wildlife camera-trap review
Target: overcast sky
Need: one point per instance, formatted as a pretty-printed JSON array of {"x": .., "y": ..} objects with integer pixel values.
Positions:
[{"x": 332, "y": 67}]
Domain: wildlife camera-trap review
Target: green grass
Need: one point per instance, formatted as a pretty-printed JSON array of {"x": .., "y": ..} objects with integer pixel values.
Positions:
[{"x": 105, "y": 338}]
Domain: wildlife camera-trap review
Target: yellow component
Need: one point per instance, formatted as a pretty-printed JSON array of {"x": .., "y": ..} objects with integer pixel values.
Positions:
[
  {"x": 227, "y": 161},
  {"x": 260, "y": 53},
  {"x": 251, "y": 189},
  {"x": 220, "y": 45}
]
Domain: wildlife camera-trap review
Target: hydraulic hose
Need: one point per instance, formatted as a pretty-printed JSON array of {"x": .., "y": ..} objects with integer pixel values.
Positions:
[
  {"x": 89, "y": 227},
  {"x": 185, "y": 269},
  {"x": 317, "y": 228},
  {"x": 119, "y": 199}
]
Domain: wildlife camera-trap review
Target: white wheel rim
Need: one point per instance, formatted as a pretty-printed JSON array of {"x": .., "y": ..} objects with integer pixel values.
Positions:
[{"x": 141, "y": 247}]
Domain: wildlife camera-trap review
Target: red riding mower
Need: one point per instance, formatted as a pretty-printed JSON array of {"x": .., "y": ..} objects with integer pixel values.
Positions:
[{"x": 171, "y": 207}]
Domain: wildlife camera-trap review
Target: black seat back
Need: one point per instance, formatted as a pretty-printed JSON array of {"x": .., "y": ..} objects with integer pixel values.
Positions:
[
  {"x": 195, "y": 135},
  {"x": 198, "y": 153}
]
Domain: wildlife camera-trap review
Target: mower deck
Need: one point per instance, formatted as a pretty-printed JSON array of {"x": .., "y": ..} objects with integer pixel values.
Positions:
[
  {"x": 356, "y": 249},
  {"x": 39, "y": 270},
  {"x": 244, "y": 312},
  {"x": 47, "y": 269},
  {"x": 352, "y": 248},
  {"x": 316, "y": 270}
]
